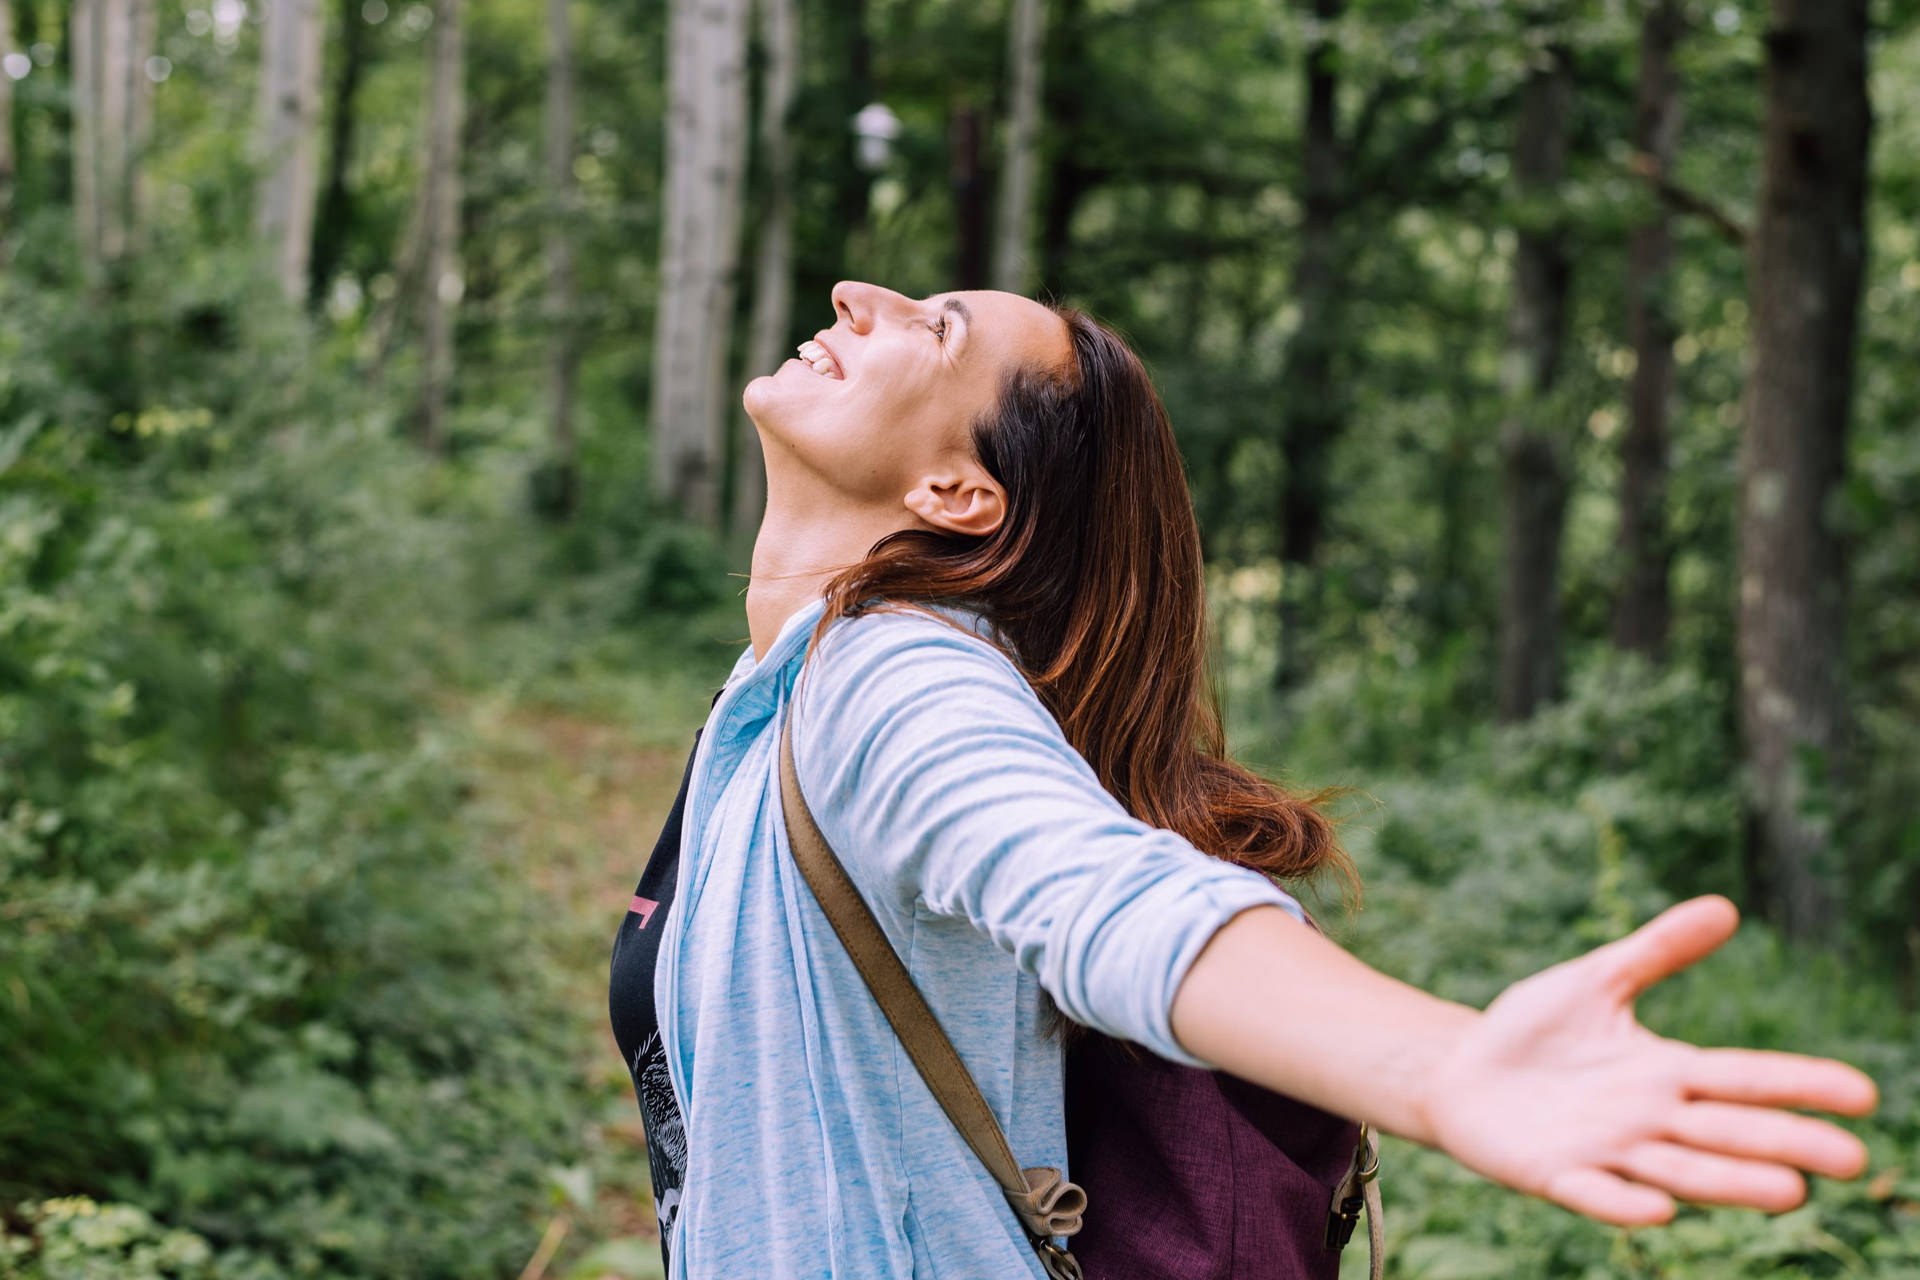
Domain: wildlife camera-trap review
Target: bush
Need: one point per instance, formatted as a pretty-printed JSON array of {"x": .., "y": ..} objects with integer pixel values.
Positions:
[{"x": 263, "y": 1000}]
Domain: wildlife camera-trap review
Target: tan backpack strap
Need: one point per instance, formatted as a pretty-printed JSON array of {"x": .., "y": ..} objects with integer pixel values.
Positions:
[
  {"x": 1358, "y": 1189},
  {"x": 1045, "y": 1202}
]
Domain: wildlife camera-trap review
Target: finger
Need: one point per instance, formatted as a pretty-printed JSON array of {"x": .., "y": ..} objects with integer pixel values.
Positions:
[
  {"x": 1609, "y": 1197},
  {"x": 1714, "y": 1179},
  {"x": 1679, "y": 936},
  {"x": 1759, "y": 1133},
  {"x": 1762, "y": 1077}
]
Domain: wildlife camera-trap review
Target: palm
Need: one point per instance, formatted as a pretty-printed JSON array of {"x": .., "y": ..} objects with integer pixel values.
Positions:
[{"x": 1557, "y": 1090}]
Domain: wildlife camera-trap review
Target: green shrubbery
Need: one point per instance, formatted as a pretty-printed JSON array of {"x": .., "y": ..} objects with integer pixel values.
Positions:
[
  {"x": 1524, "y": 847},
  {"x": 253, "y": 980}
]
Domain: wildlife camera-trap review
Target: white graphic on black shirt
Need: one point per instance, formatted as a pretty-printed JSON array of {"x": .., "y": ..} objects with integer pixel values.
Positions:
[{"x": 666, "y": 1129}]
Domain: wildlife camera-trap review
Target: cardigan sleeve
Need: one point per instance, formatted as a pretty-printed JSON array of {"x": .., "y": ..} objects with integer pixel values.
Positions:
[{"x": 942, "y": 781}]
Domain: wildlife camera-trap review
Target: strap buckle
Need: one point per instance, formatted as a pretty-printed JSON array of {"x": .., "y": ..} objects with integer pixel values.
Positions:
[
  {"x": 1350, "y": 1197},
  {"x": 1057, "y": 1262}
]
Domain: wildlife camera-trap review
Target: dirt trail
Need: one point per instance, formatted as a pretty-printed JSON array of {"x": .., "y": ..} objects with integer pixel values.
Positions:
[{"x": 575, "y": 805}]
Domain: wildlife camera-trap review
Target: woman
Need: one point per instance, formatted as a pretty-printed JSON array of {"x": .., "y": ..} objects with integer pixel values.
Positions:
[{"x": 1016, "y": 760}]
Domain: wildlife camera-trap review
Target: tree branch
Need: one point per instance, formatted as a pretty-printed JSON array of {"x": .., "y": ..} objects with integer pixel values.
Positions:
[{"x": 1683, "y": 200}]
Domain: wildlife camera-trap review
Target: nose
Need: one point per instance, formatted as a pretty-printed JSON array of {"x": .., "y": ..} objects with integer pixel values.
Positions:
[{"x": 859, "y": 303}]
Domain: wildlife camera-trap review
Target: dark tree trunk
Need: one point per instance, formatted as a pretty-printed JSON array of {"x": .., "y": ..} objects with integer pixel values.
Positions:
[
  {"x": 1534, "y": 468},
  {"x": 1643, "y": 611},
  {"x": 1809, "y": 249},
  {"x": 1068, "y": 179},
  {"x": 333, "y": 224},
  {"x": 965, "y": 143},
  {"x": 1313, "y": 410}
]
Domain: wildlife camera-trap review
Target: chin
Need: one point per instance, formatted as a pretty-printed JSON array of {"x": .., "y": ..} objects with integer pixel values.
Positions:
[{"x": 762, "y": 396}]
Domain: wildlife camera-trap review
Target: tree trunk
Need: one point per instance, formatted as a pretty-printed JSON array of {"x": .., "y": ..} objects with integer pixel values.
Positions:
[
  {"x": 1313, "y": 409},
  {"x": 1534, "y": 468},
  {"x": 1809, "y": 249},
  {"x": 1643, "y": 611},
  {"x": 440, "y": 283},
  {"x": 1026, "y": 47},
  {"x": 699, "y": 251},
  {"x": 1068, "y": 180},
  {"x": 334, "y": 221},
  {"x": 969, "y": 183},
  {"x": 562, "y": 473},
  {"x": 112, "y": 114},
  {"x": 6, "y": 128},
  {"x": 773, "y": 263},
  {"x": 288, "y": 119}
]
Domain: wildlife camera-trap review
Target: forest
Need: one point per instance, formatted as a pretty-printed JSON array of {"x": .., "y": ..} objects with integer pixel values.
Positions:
[{"x": 376, "y": 501}]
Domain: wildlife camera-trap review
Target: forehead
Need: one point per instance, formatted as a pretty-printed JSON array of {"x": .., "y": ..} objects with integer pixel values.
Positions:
[{"x": 1015, "y": 330}]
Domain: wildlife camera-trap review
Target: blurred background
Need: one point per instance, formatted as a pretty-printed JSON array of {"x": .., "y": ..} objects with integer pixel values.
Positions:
[{"x": 374, "y": 500}]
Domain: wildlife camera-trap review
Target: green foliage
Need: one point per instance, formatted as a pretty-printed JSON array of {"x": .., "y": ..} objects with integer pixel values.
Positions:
[{"x": 257, "y": 983}]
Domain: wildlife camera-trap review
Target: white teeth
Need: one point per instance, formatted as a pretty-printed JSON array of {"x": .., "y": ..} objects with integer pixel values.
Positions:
[{"x": 819, "y": 358}]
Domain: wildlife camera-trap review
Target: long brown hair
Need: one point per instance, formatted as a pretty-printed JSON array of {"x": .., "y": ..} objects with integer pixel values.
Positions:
[{"x": 1095, "y": 578}]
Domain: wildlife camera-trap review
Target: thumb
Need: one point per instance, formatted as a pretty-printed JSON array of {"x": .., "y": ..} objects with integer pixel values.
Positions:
[{"x": 1681, "y": 935}]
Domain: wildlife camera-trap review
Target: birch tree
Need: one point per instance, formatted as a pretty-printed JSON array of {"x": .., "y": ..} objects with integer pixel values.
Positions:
[
  {"x": 6, "y": 122},
  {"x": 112, "y": 116},
  {"x": 439, "y": 282},
  {"x": 563, "y": 336},
  {"x": 773, "y": 262},
  {"x": 289, "y": 118},
  {"x": 706, "y": 140},
  {"x": 1026, "y": 46},
  {"x": 1807, "y": 260},
  {"x": 1643, "y": 609},
  {"x": 1533, "y": 454}
]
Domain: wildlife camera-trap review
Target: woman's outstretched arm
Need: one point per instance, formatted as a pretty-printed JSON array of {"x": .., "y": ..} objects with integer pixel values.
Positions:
[{"x": 1555, "y": 1089}]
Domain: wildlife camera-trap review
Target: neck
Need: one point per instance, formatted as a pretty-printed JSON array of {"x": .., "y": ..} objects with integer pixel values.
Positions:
[{"x": 802, "y": 544}]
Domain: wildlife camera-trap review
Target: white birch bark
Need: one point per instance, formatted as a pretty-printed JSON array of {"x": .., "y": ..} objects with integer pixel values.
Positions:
[
  {"x": 112, "y": 112},
  {"x": 1026, "y": 35},
  {"x": 289, "y": 117},
  {"x": 773, "y": 265},
  {"x": 6, "y": 121},
  {"x": 440, "y": 280},
  {"x": 563, "y": 349},
  {"x": 706, "y": 142}
]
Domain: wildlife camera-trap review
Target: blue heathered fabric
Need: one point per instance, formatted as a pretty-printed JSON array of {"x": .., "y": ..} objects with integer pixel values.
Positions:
[{"x": 998, "y": 866}]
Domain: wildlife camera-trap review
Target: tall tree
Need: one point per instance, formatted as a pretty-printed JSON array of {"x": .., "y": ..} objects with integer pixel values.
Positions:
[
  {"x": 967, "y": 177},
  {"x": 1642, "y": 611},
  {"x": 699, "y": 250},
  {"x": 1533, "y": 452},
  {"x": 6, "y": 125},
  {"x": 1313, "y": 407},
  {"x": 289, "y": 117},
  {"x": 1013, "y": 223},
  {"x": 1808, "y": 258},
  {"x": 440, "y": 282},
  {"x": 112, "y": 116},
  {"x": 563, "y": 332},
  {"x": 773, "y": 261},
  {"x": 1069, "y": 178},
  {"x": 334, "y": 221}
]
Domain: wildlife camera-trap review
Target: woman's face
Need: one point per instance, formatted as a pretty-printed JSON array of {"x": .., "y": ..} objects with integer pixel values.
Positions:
[{"x": 878, "y": 408}]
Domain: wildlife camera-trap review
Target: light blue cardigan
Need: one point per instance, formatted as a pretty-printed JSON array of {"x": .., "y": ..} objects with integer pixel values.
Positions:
[{"x": 997, "y": 865}]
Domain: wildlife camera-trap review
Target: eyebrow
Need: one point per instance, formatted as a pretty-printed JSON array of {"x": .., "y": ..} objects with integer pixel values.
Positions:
[{"x": 959, "y": 308}]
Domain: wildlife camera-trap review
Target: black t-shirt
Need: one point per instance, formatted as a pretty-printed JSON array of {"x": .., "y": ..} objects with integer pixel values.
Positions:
[{"x": 636, "y": 1020}]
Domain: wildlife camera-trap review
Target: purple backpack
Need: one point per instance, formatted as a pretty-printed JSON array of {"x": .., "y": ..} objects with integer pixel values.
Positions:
[{"x": 1193, "y": 1174}]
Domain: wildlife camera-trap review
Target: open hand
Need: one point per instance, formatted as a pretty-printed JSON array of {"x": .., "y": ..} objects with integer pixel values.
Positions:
[{"x": 1558, "y": 1091}]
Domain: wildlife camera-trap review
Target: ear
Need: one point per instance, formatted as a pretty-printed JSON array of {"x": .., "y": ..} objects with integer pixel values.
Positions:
[{"x": 968, "y": 501}]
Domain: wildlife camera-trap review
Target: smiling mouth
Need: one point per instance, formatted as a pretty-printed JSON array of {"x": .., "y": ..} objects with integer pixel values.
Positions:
[{"x": 821, "y": 360}]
